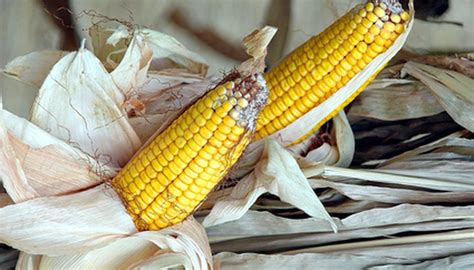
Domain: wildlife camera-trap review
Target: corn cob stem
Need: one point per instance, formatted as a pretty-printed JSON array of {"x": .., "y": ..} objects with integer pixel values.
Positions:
[
  {"x": 325, "y": 63},
  {"x": 171, "y": 176}
]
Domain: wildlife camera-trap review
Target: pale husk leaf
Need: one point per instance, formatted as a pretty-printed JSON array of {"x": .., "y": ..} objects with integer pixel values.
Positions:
[
  {"x": 167, "y": 47},
  {"x": 183, "y": 245},
  {"x": 132, "y": 70},
  {"x": 277, "y": 173},
  {"x": 164, "y": 104},
  {"x": 79, "y": 103},
  {"x": 452, "y": 142},
  {"x": 255, "y": 223},
  {"x": 339, "y": 154},
  {"x": 231, "y": 261},
  {"x": 28, "y": 262},
  {"x": 395, "y": 99},
  {"x": 345, "y": 141},
  {"x": 414, "y": 178},
  {"x": 452, "y": 262},
  {"x": 419, "y": 247},
  {"x": 452, "y": 89},
  {"x": 120, "y": 254},
  {"x": 393, "y": 195},
  {"x": 86, "y": 221},
  {"x": 28, "y": 155},
  {"x": 34, "y": 67},
  {"x": 276, "y": 243},
  {"x": 67, "y": 224}
]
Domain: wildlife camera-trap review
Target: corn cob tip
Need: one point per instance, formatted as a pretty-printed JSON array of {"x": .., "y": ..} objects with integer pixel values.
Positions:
[{"x": 247, "y": 95}]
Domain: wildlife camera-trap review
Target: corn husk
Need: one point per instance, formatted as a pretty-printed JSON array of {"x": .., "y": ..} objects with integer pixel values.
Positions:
[
  {"x": 63, "y": 107},
  {"x": 382, "y": 100},
  {"x": 33, "y": 68},
  {"x": 277, "y": 173},
  {"x": 60, "y": 220},
  {"x": 304, "y": 124},
  {"x": 452, "y": 90}
]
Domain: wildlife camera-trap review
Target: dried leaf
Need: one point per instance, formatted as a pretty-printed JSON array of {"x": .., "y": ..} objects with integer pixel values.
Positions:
[
  {"x": 29, "y": 153},
  {"x": 282, "y": 242},
  {"x": 166, "y": 47},
  {"x": 79, "y": 103},
  {"x": 67, "y": 224},
  {"x": 451, "y": 262},
  {"x": 277, "y": 173},
  {"x": 255, "y": 223},
  {"x": 256, "y": 44},
  {"x": 186, "y": 244},
  {"x": 413, "y": 178},
  {"x": 406, "y": 247},
  {"x": 230, "y": 261},
  {"x": 393, "y": 195},
  {"x": 131, "y": 73},
  {"x": 164, "y": 105},
  {"x": 28, "y": 262},
  {"x": 395, "y": 99},
  {"x": 34, "y": 67},
  {"x": 453, "y": 91}
]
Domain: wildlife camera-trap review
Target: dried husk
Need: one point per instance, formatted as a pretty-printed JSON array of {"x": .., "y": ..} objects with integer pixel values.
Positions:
[
  {"x": 27, "y": 155},
  {"x": 33, "y": 68},
  {"x": 230, "y": 261},
  {"x": 277, "y": 173},
  {"x": 79, "y": 103},
  {"x": 453, "y": 91},
  {"x": 395, "y": 99}
]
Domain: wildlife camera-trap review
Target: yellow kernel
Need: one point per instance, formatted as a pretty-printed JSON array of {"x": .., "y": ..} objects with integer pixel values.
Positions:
[
  {"x": 372, "y": 17},
  {"x": 379, "y": 12},
  {"x": 190, "y": 173},
  {"x": 228, "y": 121},
  {"x": 369, "y": 7},
  {"x": 221, "y": 90},
  {"x": 184, "y": 201},
  {"x": 379, "y": 41},
  {"x": 191, "y": 193},
  {"x": 399, "y": 28},
  {"x": 405, "y": 16},
  {"x": 368, "y": 38},
  {"x": 389, "y": 26},
  {"x": 180, "y": 185},
  {"x": 395, "y": 18},
  {"x": 385, "y": 34}
]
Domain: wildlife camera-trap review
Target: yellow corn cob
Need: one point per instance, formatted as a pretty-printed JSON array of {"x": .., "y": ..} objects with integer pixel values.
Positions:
[
  {"x": 170, "y": 177},
  {"x": 325, "y": 63}
]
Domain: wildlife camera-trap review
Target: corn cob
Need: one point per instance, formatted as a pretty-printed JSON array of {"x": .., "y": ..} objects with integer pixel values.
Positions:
[
  {"x": 325, "y": 63},
  {"x": 171, "y": 176}
]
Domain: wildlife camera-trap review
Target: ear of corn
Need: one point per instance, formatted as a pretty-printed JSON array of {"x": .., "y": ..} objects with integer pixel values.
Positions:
[
  {"x": 172, "y": 175},
  {"x": 325, "y": 63}
]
